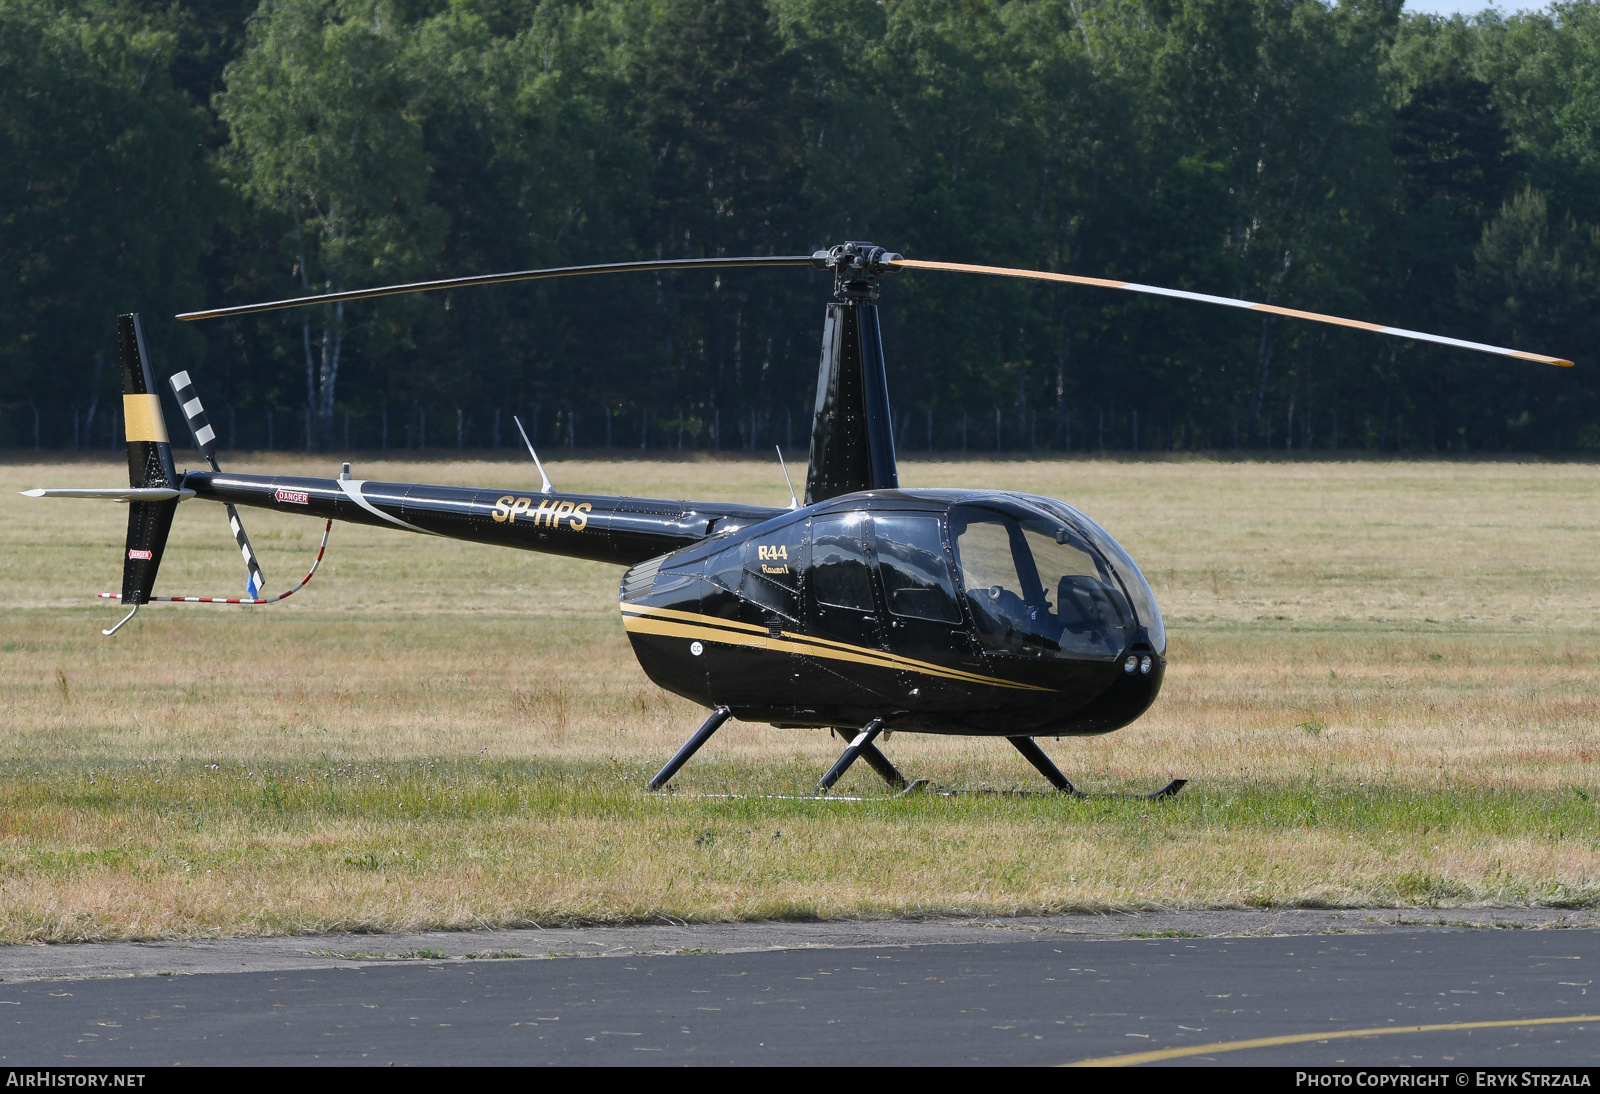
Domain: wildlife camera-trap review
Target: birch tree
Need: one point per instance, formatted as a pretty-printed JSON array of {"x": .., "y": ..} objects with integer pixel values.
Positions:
[{"x": 322, "y": 128}]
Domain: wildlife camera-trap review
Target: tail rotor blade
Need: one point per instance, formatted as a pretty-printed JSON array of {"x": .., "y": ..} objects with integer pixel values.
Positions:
[
  {"x": 1229, "y": 302},
  {"x": 205, "y": 438},
  {"x": 254, "y": 582}
]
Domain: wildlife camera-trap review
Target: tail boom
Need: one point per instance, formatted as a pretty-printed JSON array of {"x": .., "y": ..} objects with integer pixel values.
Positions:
[{"x": 597, "y": 527}]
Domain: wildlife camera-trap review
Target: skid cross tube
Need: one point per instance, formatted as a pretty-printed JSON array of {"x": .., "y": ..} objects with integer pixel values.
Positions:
[
  {"x": 691, "y": 746},
  {"x": 1035, "y": 755},
  {"x": 883, "y": 766},
  {"x": 862, "y": 742}
]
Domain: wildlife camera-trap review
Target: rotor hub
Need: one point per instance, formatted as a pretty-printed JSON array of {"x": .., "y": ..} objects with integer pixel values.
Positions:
[{"x": 856, "y": 268}]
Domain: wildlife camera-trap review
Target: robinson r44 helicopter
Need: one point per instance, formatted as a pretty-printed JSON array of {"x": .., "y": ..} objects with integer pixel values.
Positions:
[{"x": 868, "y": 607}]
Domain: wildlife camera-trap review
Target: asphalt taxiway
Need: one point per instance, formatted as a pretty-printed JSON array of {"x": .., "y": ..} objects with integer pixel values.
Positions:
[{"x": 1300, "y": 988}]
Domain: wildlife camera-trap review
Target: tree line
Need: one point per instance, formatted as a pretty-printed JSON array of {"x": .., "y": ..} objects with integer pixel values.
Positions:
[{"x": 1442, "y": 174}]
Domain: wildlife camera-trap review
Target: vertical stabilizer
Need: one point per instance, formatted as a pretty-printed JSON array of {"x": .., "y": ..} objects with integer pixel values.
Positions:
[{"x": 149, "y": 465}]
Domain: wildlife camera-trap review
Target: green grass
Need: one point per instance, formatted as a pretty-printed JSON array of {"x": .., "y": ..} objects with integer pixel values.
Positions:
[
  {"x": 292, "y": 796},
  {"x": 343, "y": 841}
]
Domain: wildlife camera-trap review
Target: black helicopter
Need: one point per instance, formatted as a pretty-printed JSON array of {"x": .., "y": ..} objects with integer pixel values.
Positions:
[{"x": 867, "y": 607}]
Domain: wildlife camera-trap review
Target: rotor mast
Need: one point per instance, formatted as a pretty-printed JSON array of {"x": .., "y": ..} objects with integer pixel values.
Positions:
[{"x": 852, "y": 434}]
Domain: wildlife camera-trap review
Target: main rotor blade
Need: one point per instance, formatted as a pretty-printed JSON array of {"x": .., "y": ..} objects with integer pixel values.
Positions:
[
  {"x": 1228, "y": 301},
  {"x": 500, "y": 279}
]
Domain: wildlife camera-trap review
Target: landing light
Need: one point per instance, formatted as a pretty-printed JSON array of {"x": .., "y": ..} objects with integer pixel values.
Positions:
[
  {"x": 1144, "y": 665},
  {"x": 1130, "y": 664}
]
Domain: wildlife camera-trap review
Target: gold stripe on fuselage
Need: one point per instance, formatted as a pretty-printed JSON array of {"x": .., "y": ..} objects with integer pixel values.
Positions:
[
  {"x": 823, "y": 647},
  {"x": 678, "y": 624}
]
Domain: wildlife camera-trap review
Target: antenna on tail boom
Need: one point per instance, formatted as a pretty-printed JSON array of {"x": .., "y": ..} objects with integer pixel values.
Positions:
[
  {"x": 794, "y": 502},
  {"x": 546, "y": 488}
]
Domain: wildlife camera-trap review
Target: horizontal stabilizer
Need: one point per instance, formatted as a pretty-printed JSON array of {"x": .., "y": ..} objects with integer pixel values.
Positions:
[{"x": 112, "y": 493}]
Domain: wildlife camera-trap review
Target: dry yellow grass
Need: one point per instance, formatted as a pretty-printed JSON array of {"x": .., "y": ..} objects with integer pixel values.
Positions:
[{"x": 1383, "y": 682}]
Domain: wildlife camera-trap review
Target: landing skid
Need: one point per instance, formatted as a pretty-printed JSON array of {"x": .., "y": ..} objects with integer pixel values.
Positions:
[
  {"x": 861, "y": 747},
  {"x": 1167, "y": 791},
  {"x": 918, "y": 786},
  {"x": 1035, "y": 755},
  {"x": 924, "y": 786}
]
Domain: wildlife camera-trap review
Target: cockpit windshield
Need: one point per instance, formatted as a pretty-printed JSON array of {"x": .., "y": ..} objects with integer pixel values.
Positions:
[
  {"x": 1037, "y": 587},
  {"x": 1144, "y": 600}
]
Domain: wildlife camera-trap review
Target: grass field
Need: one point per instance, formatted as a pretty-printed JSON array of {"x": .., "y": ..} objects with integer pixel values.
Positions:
[{"x": 1383, "y": 685}]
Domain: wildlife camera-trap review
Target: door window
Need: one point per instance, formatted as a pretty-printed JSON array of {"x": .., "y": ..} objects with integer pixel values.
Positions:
[
  {"x": 841, "y": 574},
  {"x": 916, "y": 578},
  {"x": 987, "y": 552}
]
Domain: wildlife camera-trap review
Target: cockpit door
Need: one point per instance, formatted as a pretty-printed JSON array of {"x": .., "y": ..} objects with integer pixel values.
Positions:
[
  {"x": 843, "y": 590},
  {"x": 843, "y": 673},
  {"x": 926, "y": 623}
]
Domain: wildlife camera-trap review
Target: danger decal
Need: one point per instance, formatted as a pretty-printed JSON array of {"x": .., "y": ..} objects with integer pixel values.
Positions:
[
  {"x": 144, "y": 555},
  {"x": 293, "y": 497}
]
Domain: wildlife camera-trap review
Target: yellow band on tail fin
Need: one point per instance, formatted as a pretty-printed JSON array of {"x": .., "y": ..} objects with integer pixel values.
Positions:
[{"x": 143, "y": 415}]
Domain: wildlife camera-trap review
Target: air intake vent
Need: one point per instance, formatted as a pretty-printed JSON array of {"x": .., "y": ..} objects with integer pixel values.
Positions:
[{"x": 637, "y": 581}]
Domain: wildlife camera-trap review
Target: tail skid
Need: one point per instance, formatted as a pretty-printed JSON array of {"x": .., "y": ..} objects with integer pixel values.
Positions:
[{"x": 117, "y": 626}]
